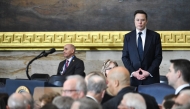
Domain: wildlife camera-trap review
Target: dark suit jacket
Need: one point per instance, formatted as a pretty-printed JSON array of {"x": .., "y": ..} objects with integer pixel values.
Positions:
[
  {"x": 76, "y": 66},
  {"x": 150, "y": 101},
  {"x": 152, "y": 56},
  {"x": 185, "y": 88},
  {"x": 115, "y": 101}
]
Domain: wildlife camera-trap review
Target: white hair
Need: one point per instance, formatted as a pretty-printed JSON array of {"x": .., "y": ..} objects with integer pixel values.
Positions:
[{"x": 134, "y": 100}]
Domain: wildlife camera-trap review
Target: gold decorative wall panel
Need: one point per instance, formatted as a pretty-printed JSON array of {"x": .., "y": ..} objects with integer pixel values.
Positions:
[{"x": 85, "y": 40}]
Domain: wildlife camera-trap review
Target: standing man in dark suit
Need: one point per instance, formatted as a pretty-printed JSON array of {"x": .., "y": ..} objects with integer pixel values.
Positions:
[
  {"x": 179, "y": 75},
  {"x": 71, "y": 65},
  {"x": 142, "y": 52}
]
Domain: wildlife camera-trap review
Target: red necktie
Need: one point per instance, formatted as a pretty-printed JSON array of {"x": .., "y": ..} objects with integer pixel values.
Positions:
[{"x": 66, "y": 64}]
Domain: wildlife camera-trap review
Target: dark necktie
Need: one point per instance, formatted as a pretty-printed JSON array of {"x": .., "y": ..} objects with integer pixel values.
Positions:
[
  {"x": 140, "y": 46},
  {"x": 66, "y": 64}
]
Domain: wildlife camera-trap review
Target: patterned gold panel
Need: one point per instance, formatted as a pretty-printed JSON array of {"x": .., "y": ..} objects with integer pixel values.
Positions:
[{"x": 86, "y": 40}]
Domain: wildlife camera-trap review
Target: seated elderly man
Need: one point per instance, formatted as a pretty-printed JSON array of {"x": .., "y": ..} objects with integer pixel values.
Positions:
[
  {"x": 132, "y": 101},
  {"x": 20, "y": 101},
  {"x": 74, "y": 87},
  {"x": 96, "y": 87}
]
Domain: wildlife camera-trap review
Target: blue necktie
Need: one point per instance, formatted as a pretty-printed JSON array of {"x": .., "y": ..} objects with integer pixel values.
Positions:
[{"x": 140, "y": 46}]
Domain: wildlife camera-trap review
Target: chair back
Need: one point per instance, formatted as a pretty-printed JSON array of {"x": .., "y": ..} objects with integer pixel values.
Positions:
[
  {"x": 39, "y": 76},
  {"x": 157, "y": 90},
  {"x": 57, "y": 80},
  {"x": 163, "y": 79}
]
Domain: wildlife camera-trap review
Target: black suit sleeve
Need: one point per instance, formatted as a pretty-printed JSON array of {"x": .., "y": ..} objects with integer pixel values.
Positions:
[
  {"x": 79, "y": 68},
  {"x": 125, "y": 55},
  {"x": 158, "y": 55}
]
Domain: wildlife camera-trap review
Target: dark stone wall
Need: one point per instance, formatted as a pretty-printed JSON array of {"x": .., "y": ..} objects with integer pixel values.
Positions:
[{"x": 91, "y": 15}]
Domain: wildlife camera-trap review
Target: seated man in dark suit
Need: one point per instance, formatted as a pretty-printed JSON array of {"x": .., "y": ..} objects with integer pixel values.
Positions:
[
  {"x": 118, "y": 84},
  {"x": 71, "y": 65},
  {"x": 96, "y": 87},
  {"x": 178, "y": 75}
]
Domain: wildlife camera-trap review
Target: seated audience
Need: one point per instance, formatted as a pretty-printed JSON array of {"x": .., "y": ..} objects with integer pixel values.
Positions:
[
  {"x": 178, "y": 75},
  {"x": 96, "y": 86},
  {"x": 47, "y": 98},
  {"x": 132, "y": 101},
  {"x": 74, "y": 87},
  {"x": 107, "y": 66},
  {"x": 85, "y": 103},
  {"x": 63, "y": 102}
]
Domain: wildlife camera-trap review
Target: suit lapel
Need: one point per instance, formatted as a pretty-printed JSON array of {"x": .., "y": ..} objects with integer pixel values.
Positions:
[
  {"x": 147, "y": 42},
  {"x": 71, "y": 64}
]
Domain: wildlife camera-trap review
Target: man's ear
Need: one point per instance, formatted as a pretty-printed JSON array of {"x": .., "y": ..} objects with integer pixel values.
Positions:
[
  {"x": 179, "y": 74},
  {"x": 103, "y": 93},
  {"x": 116, "y": 83}
]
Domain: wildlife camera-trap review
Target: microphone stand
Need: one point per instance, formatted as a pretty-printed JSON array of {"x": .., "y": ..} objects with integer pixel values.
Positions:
[{"x": 42, "y": 54}]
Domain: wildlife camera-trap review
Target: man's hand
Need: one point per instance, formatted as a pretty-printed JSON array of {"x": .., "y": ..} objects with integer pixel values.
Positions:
[
  {"x": 144, "y": 73},
  {"x": 137, "y": 75}
]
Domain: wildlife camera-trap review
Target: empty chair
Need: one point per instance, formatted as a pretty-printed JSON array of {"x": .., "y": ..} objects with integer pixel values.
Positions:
[
  {"x": 157, "y": 90},
  {"x": 57, "y": 80},
  {"x": 163, "y": 79},
  {"x": 41, "y": 77}
]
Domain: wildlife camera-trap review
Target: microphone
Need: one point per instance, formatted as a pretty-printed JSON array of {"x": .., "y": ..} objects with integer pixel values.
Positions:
[{"x": 52, "y": 50}]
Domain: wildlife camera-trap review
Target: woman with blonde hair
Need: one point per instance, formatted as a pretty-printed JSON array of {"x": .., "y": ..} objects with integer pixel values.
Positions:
[{"x": 107, "y": 66}]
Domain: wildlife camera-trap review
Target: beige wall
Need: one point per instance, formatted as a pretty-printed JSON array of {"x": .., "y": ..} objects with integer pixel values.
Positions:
[{"x": 13, "y": 63}]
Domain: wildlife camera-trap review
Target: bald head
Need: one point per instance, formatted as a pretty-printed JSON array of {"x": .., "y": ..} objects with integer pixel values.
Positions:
[
  {"x": 69, "y": 50},
  {"x": 16, "y": 101},
  {"x": 121, "y": 74}
]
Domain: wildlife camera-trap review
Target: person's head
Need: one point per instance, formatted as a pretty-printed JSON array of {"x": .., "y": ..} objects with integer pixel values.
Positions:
[
  {"x": 132, "y": 101},
  {"x": 118, "y": 78},
  {"x": 63, "y": 102},
  {"x": 107, "y": 66},
  {"x": 17, "y": 101},
  {"x": 68, "y": 50},
  {"x": 49, "y": 106},
  {"x": 92, "y": 74},
  {"x": 140, "y": 19},
  {"x": 183, "y": 98},
  {"x": 47, "y": 98},
  {"x": 85, "y": 103},
  {"x": 96, "y": 87},
  {"x": 29, "y": 99},
  {"x": 74, "y": 87},
  {"x": 168, "y": 101},
  {"x": 178, "y": 73}
]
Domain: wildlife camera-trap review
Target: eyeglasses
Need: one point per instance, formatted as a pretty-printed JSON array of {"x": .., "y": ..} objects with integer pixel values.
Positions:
[
  {"x": 68, "y": 91},
  {"x": 109, "y": 68}
]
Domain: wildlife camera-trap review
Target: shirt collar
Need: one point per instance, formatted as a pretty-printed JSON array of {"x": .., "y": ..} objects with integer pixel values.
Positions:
[
  {"x": 92, "y": 98},
  {"x": 143, "y": 31},
  {"x": 70, "y": 58},
  {"x": 180, "y": 88}
]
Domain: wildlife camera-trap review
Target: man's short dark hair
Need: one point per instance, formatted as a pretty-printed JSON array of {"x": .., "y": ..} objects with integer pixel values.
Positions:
[
  {"x": 141, "y": 12},
  {"x": 183, "y": 65}
]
